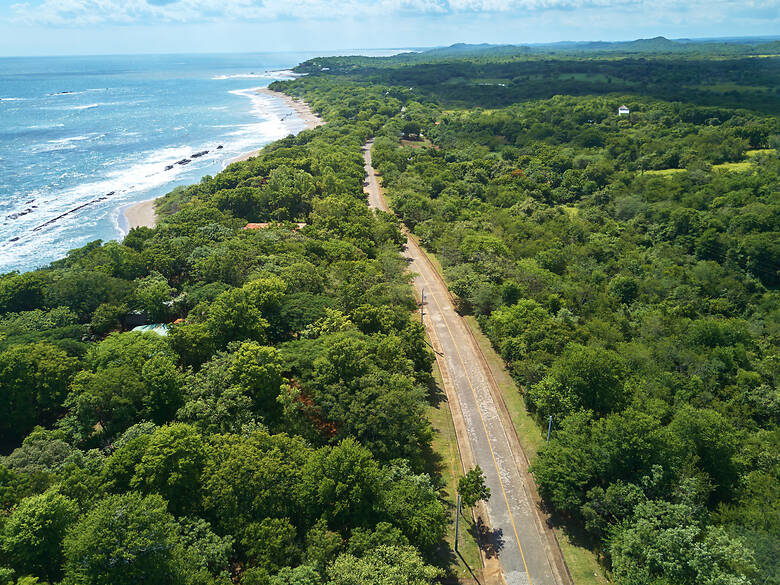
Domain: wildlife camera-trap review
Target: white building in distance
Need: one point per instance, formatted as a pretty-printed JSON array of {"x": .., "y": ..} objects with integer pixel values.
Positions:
[{"x": 623, "y": 111}]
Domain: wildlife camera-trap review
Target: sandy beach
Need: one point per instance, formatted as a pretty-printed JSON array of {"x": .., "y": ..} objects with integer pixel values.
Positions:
[
  {"x": 302, "y": 110},
  {"x": 140, "y": 214},
  {"x": 143, "y": 213}
]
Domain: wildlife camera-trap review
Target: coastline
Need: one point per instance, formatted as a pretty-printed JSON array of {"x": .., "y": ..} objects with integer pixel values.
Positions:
[
  {"x": 140, "y": 214},
  {"x": 143, "y": 213},
  {"x": 301, "y": 109}
]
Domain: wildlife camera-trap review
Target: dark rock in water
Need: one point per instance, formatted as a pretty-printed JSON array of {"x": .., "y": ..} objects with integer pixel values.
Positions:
[
  {"x": 12, "y": 216},
  {"x": 168, "y": 167},
  {"x": 35, "y": 207},
  {"x": 219, "y": 147},
  {"x": 110, "y": 193},
  {"x": 14, "y": 239},
  {"x": 199, "y": 154},
  {"x": 30, "y": 201},
  {"x": 184, "y": 161}
]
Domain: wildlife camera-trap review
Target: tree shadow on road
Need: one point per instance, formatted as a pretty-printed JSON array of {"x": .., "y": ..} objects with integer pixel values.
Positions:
[{"x": 491, "y": 541}]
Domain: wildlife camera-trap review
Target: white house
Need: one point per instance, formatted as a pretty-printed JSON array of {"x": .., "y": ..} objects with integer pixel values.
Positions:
[{"x": 623, "y": 111}]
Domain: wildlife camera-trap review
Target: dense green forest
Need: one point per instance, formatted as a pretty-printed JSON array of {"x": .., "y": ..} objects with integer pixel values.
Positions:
[
  {"x": 276, "y": 436},
  {"x": 624, "y": 267}
]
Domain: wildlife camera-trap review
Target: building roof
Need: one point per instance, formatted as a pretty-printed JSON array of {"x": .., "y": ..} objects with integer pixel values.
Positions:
[{"x": 158, "y": 328}]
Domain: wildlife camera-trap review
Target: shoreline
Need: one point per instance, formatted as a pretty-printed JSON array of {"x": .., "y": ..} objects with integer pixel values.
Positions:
[
  {"x": 301, "y": 109},
  {"x": 142, "y": 214}
]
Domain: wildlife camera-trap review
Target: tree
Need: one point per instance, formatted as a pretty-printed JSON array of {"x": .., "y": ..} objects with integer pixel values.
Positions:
[
  {"x": 151, "y": 295},
  {"x": 667, "y": 541},
  {"x": 270, "y": 543},
  {"x": 242, "y": 313},
  {"x": 33, "y": 534},
  {"x": 33, "y": 385},
  {"x": 472, "y": 487},
  {"x": 385, "y": 565},
  {"x": 124, "y": 540},
  {"x": 171, "y": 466},
  {"x": 342, "y": 483},
  {"x": 585, "y": 377},
  {"x": 248, "y": 478}
]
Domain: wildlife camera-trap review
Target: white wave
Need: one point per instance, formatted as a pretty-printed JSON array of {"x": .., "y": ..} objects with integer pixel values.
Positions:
[
  {"x": 284, "y": 73},
  {"x": 277, "y": 120},
  {"x": 71, "y": 139},
  {"x": 80, "y": 224},
  {"x": 63, "y": 143},
  {"x": 238, "y": 76},
  {"x": 86, "y": 107},
  {"x": 12, "y": 99},
  {"x": 44, "y": 126}
]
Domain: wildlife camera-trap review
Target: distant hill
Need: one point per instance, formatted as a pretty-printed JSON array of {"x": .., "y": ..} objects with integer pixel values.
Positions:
[{"x": 730, "y": 46}]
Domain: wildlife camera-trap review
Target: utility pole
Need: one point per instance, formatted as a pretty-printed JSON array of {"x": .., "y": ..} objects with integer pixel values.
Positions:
[
  {"x": 549, "y": 426},
  {"x": 457, "y": 523},
  {"x": 422, "y": 305}
]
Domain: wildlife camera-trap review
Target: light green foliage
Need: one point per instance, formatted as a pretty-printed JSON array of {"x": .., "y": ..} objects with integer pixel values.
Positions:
[
  {"x": 243, "y": 313},
  {"x": 205, "y": 549},
  {"x": 385, "y": 565},
  {"x": 668, "y": 541},
  {"x": 582, "y": 377},
  {"x": 32, "y": 535},
  {"x": 270, "y": 543},
  {"x": 246, "y": 479},
  {"x": 134, "y": 378},
  {"x": 342, "y": 483}
]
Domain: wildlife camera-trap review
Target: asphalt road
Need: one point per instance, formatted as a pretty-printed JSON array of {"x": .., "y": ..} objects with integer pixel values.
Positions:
[{"x": 515, "y": 528}]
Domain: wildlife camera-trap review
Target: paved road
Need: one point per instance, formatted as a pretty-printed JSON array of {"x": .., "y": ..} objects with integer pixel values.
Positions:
[{"x": 513, "y": 520}]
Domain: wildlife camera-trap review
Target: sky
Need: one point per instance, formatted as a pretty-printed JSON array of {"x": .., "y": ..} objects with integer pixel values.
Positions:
[{"x": 67, "y": 27}]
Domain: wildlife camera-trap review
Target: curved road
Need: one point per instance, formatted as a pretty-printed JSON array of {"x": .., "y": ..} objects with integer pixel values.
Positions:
[{"x": 518, "y": 535}]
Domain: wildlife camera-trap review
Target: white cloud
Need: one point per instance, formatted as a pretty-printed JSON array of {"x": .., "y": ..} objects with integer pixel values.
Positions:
[{"x": 85, "y": 13}]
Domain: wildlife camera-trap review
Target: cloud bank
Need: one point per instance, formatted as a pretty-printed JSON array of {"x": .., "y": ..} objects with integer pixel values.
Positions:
[{"x": 80, "y": 13}]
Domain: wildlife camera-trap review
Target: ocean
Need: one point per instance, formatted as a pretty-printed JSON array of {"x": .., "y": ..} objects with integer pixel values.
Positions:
[{"x": 83, "y": 137}]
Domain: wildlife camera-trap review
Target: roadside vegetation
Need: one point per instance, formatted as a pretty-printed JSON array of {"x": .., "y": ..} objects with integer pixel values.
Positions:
[{"x": 624, "y": 268}]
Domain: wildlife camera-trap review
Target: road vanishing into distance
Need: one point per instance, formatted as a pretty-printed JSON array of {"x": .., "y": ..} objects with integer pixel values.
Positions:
[{"x": 516, "y": 531}]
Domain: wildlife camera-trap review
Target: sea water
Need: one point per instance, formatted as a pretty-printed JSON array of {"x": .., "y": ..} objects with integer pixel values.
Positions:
[{"x": 83, "y": 137}]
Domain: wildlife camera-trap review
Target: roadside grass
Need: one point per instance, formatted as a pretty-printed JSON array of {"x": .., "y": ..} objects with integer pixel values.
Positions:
[
  {"x": 531, "y": 437},
  {"x": 582, "y": 562},
  {"x": 446, "y": 466}
]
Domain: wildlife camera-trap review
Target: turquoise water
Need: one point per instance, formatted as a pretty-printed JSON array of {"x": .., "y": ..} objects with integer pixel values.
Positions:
[{"x": 82, "y": 137}]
